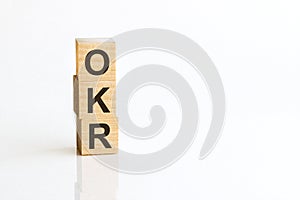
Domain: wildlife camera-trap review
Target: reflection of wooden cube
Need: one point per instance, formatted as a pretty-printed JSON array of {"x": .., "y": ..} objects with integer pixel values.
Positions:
[
  {"x": 94, "y": 88},
  {"x": 96, "y": 61},
  {"x": 95, "y": 181}
]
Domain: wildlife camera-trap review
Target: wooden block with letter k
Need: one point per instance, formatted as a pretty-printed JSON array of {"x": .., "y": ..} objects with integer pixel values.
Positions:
[{"x": 94, "y": 96}]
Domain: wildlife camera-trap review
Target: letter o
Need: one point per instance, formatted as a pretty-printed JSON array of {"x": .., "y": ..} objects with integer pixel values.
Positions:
[{"x": 88, "y": 62}]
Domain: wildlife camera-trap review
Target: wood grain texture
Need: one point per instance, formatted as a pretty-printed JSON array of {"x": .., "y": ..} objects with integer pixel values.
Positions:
[
  {"x": 83, "y": 137},
  {"x": 108, "y": 98},
  {"x": 84, "y": 119},
  {"x": 94, "y": 91},
  {"x": 83, "y": 47},
  {"x": 75, "y": 94}
]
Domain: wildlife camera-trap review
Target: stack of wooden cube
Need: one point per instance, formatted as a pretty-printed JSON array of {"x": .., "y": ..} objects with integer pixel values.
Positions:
[{"x": 94, "y": 96}]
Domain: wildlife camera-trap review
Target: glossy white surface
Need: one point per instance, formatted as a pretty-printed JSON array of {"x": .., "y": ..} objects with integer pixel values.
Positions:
[{"x": 255, "y": 46}]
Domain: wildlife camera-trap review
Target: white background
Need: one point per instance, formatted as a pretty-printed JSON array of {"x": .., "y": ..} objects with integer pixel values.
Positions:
[{"x": 255, "y": 46}]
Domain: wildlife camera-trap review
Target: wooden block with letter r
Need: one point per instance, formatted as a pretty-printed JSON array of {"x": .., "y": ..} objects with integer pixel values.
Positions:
[{"x": 97, "y": 136}]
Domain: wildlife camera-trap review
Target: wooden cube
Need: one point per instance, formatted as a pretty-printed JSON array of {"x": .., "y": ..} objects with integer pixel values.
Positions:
[
  {"x": 97, "y": 136},
  {"x": 94, "y": 98},
  {"x": 95, "y": 60}
]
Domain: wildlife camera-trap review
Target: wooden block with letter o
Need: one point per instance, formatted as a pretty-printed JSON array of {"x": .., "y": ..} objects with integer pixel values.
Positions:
[
  {"x": 96, "y": 60},
  {"x": 94, "y": 88}
]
